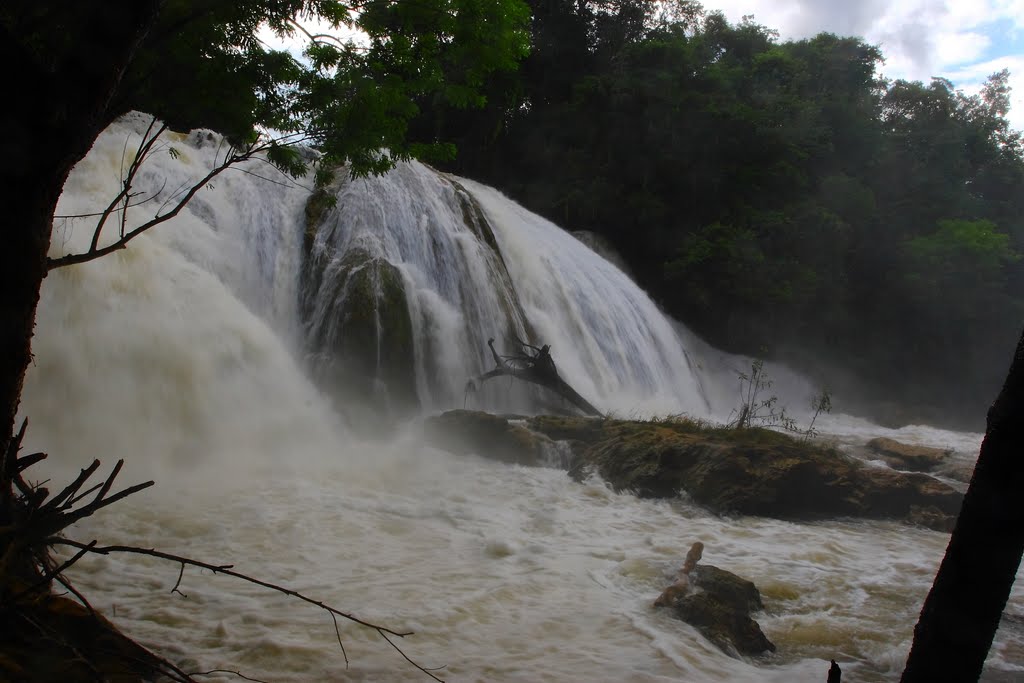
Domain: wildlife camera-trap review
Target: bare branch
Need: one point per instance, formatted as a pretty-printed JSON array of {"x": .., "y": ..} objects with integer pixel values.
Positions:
[
  {"x": 337, "y": 632},
  {"x": 109, "y": 482},
  {"x": 26, "y": 461},
  {"x": 70, "y": 518},
  {"x": 72, "y": 488},
  {"x": 221, "y": 569},
  {"x": 67, "y": 584},
  {"x": 226, "y": 671},
  {"x": 83, "y": 494},
  {"x": 406, "y": 658},
  {"x": 226, "y": 570},
  {"x": 126, "y": 182},
  {"x": 71, "y": 216},
  {"x": 95, "y": 251}
]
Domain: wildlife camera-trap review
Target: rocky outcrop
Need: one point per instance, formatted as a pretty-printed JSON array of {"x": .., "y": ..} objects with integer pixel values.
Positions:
[
  {"x": 747, "y": 471},
  {"x": 719, "y": 605},
  {"x": 365, "y": 347},
  {"x": 903, "y": 456},
  {"x": 469, "y": 431}
]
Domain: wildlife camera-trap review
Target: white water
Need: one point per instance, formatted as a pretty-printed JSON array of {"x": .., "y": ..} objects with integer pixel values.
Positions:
[
  {"x": 608, "y": 339},
  {"x": 179, "y": 354}
]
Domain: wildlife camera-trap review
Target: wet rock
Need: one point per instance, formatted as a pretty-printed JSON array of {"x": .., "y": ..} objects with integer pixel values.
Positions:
[
  {"x": 743, "y": 471},
  {"x": 363, "y": 345},
  {"x": 728, "y": 588},
  {"x": 719, "y": 604},
  {"x": 764, "y": 473},
  {"x": 470, "y": 431},
  {"x": 908, "y": 457},
  {"x": 961, "y": 472}
]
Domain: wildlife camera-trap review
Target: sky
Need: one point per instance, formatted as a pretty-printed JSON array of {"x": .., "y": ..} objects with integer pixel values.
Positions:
[{"x": 962, "y": 40}]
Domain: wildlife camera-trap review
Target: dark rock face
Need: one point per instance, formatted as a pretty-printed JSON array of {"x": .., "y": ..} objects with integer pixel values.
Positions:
[
  {"x": 748, "y": 471},
  {"x": 366, "y": 349}
]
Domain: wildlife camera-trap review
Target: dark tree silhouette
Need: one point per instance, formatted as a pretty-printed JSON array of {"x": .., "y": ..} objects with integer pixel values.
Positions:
[{"x": 962, "y": 611}]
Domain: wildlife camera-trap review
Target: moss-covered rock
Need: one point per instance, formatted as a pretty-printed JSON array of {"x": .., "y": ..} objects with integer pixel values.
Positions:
[
  {"x": 748, "y": 471},
  {"x": 319, "y": 203},
  {"x": 366, "y": 352},
  {"x": 718, "y": 603},
  {"x": 728, "y": 588}
]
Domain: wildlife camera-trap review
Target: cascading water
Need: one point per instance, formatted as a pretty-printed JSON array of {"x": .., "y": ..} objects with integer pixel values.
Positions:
[
  {"x": 185, "y": 355},
  {"x": 473, "y": 265}
]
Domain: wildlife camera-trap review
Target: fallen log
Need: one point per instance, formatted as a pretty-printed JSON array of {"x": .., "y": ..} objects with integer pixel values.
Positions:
[{"x": 537, "y": 368}]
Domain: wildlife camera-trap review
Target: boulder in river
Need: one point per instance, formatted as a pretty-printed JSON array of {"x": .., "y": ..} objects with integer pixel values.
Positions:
[{"x": 717, "y": 603}]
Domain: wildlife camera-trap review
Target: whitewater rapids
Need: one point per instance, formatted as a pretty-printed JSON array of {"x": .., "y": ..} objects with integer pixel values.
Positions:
[{"x": 182, "y": 354}]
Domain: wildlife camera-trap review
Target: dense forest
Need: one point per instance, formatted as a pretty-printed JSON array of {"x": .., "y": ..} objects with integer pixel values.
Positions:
[{"x": 781, "y": 198}]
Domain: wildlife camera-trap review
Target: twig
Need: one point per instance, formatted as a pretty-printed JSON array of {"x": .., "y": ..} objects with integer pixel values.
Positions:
[
  {"x": 383, "y": 631},
  {"x": 178, "y": 582},
  {"x": 226, "y": 671},
  {"x": 73, "y": 487},
  {"x": 337, "y": 632},
  {"x": 53, "y": 573},
  {"x": 406, "y": 658},
  {"x": 82, "y": 495},
  {"x": 81, "y": 598},
  {"x": 109, "y": 482}
]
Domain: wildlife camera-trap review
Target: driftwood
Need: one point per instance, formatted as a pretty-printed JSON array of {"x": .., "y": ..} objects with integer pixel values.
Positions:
[
  {"x": 682, "y": 583},
  {"x": 536, "y": 366}
]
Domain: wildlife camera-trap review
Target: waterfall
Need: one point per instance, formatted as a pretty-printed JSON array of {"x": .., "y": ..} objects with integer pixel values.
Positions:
[
  {"x": 185, "y": 344},
  {"x": 473, "y": 265}
]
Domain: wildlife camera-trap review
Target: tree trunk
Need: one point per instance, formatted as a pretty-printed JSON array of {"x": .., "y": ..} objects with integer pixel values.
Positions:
[
  {"x": 63, "y": 75},
  {"x": 65, "y": 61},
  {"x": 961, "y": 614}
]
